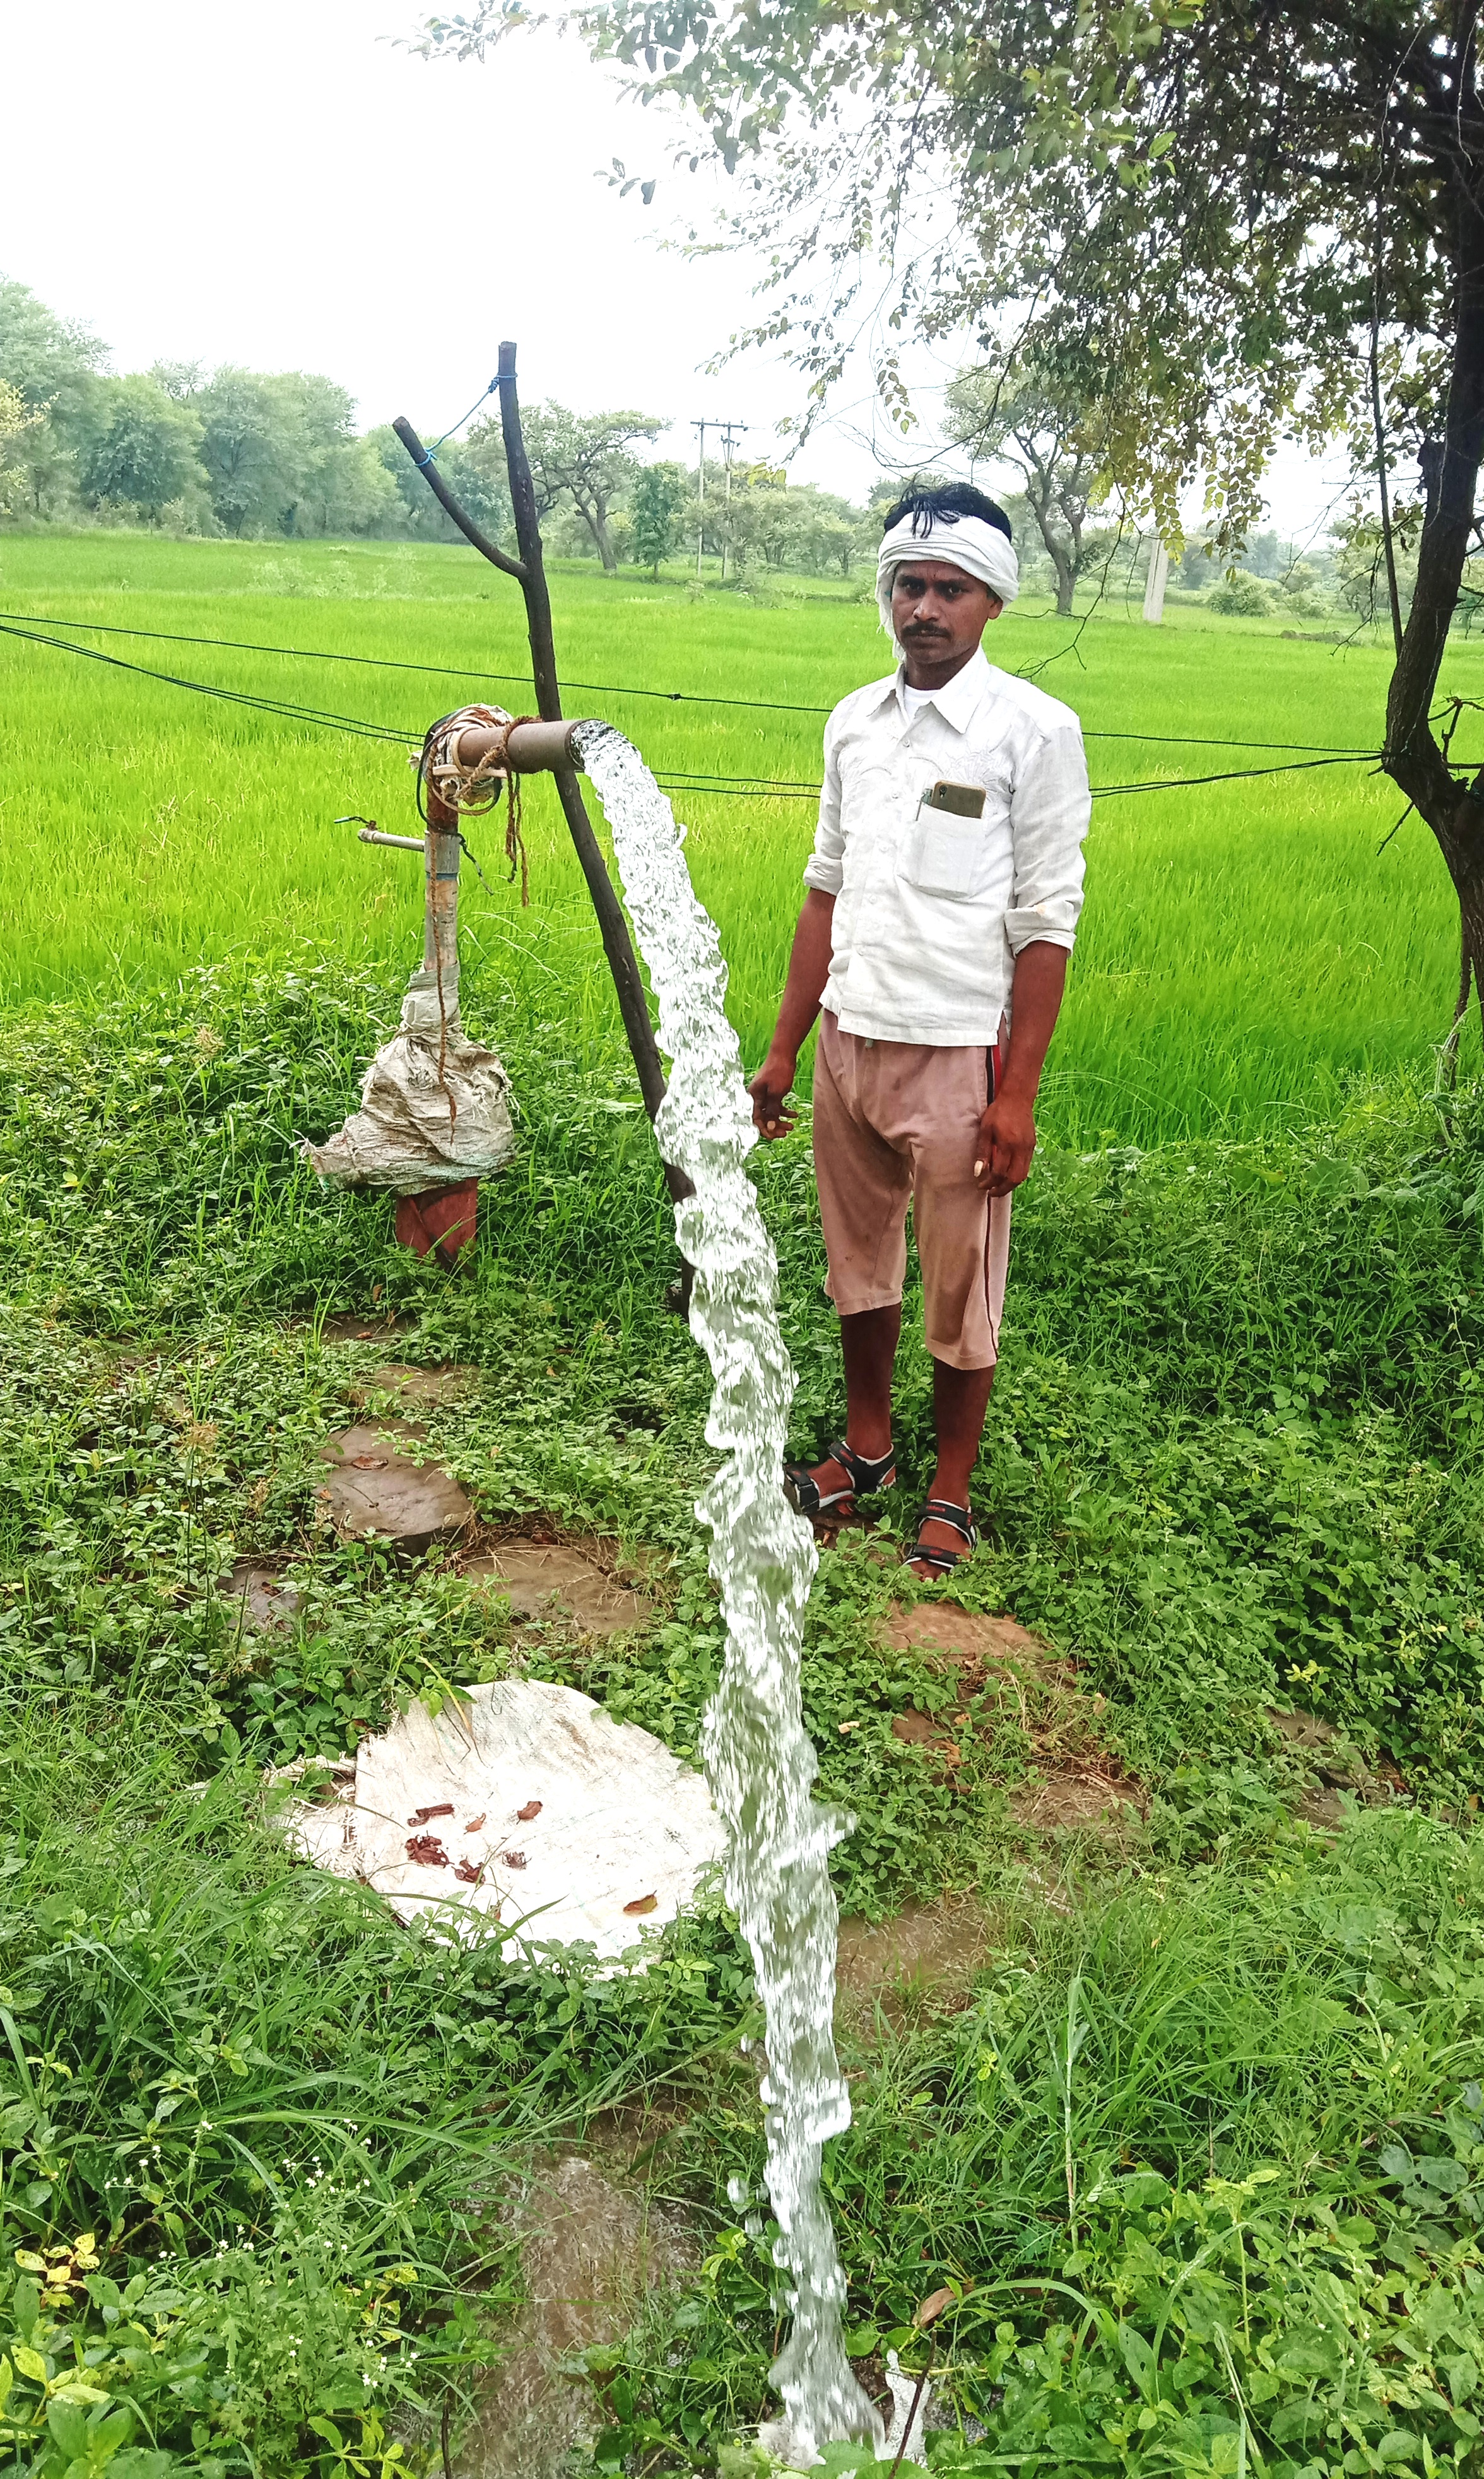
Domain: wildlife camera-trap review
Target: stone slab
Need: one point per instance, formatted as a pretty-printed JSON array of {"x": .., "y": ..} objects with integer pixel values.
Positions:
[
  {"x": 552, "y": 1580},
  {"x": 526, "y": 1805},
  {"x": 377, "y": 1487}
]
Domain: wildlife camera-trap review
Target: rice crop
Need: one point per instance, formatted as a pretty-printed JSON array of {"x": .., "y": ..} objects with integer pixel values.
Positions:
[{"x": 1248, "y": 952}]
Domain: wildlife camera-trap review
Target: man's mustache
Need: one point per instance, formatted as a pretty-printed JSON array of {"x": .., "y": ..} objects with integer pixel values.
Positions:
[{"x": 923, "y": 628}]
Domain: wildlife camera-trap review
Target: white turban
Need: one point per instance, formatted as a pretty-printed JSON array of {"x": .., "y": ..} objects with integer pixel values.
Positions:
[{"x": 969, "y": 543}]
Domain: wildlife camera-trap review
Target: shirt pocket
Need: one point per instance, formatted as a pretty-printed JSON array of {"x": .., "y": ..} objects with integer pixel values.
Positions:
[{"x": 942, "y": 854}]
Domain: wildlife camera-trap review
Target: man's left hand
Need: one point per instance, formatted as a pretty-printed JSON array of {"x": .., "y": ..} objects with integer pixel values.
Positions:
[{"x": 1007, "y": 1141}]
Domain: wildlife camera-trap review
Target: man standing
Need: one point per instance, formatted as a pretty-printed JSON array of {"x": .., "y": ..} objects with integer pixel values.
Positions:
[{"x": 944, "y": 890}]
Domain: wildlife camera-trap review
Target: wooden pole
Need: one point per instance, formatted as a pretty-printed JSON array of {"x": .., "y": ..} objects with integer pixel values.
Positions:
[{"x": 530, "y": 571}]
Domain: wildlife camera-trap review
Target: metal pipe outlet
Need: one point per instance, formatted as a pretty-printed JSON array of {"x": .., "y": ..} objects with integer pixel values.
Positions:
[{"x": 531, "y": 748}]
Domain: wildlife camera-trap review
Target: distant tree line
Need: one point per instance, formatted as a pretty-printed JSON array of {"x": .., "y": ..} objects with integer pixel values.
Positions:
[
  {"x": 271, "y": 455},
  {"x": 262, "y": 456}
]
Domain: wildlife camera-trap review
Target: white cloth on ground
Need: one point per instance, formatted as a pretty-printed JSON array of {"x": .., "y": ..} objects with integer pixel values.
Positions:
[{"x": 932, "y": 908}]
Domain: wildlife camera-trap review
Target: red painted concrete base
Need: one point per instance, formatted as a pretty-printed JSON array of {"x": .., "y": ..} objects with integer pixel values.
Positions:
[{"x": 441, "y": 1218}]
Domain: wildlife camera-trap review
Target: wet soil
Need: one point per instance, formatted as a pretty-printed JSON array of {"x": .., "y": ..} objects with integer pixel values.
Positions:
[{"x": 594, "y": 2249}]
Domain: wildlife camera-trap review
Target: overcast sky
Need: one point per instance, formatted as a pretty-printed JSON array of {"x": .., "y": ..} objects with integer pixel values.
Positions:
[{"x": 281, "y": 186}]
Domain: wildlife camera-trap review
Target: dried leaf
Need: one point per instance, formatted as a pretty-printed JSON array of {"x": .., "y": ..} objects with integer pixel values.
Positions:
[
  {"x": 645, "y": 1903},
  {"x": 475, "y": 1823},
  {"x": 531, "y": 1808},
  {"x": 515, "y": 1859},
  {"x": 427, "y": 1850},
  {"x": 932, "y": 2306},
  {"x": 467, "y": 1872},
  {"x": 424, "y": 1814}
]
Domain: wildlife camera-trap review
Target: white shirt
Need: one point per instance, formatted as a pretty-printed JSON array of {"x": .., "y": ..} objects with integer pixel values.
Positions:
[{"x": 932, "y": 909}]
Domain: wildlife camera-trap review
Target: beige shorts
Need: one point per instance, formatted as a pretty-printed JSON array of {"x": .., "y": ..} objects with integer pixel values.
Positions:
[{"x": 897, "y": 1123}]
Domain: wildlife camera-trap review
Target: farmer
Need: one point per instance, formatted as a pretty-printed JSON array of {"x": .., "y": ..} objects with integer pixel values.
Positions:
[{"x": 944, "y": 889}]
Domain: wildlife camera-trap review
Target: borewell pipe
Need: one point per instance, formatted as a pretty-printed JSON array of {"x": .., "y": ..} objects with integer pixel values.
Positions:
[{"x": 530, "y": 573}]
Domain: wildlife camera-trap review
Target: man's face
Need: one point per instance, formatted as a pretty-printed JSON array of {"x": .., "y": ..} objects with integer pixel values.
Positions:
[{"x": 939, "y": 615}]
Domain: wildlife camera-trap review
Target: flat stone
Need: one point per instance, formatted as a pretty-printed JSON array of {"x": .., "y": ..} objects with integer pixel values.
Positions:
[
  {"x": 268, "y": 1607},
  {"x": 592, "y": 2253},
  {"x": 522, "y": 1808},
  {"x": 549, "y": 1580},
  {"x": 425, "y": 1388},
  {"x": 375, "y": 1487}
]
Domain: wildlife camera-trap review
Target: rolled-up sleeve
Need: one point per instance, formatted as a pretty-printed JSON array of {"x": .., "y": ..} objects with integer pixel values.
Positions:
[
  {"x": 1049, "y": 812},
  {"x": 825, "y": 867}
]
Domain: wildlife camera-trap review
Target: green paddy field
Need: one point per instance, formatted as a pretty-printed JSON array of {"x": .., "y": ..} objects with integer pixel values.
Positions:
[
  {"x": 1185, "y": 2120},
  {"x": 1247, "y": 952}
]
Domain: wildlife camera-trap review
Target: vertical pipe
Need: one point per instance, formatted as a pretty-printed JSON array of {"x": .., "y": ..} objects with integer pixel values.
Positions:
[{"x": 442, "y": 850}]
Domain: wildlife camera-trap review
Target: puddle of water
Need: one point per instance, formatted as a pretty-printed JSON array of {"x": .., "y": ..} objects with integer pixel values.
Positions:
[{"x": 592, "y": 2253}]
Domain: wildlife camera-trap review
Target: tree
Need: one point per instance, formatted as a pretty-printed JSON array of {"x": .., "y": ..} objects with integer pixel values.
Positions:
[
  {"x": 586, "y": 458},
  {"x": 1031, "y": 420},
  {"x": 251, "y": 451},
  {"x": 142, "y": 447},
  {"x": 53, "y": 365},
  {"x": 16, "y": 419},
  {"x": 655, "y": 502},
  {"x": 1218, "y": 223}
]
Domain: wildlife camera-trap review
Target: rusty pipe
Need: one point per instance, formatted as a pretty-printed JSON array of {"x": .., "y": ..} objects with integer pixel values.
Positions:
[{"x": 531, "y": 748}]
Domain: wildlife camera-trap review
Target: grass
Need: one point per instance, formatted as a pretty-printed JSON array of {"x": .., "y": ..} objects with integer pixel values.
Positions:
[
  {"x": 1246, "y": 954},
  {"x": 1200, "y": 2162}
]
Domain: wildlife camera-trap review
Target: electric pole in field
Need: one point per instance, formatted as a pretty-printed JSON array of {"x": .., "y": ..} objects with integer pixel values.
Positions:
[{"x": 728, "y": 430}]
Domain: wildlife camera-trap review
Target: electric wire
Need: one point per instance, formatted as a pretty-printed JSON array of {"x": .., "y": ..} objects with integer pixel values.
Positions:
[
  {"x": 609, "y": 688},
  {"x": 283, "y": 707},
  {"x": 757, "y": 787}
]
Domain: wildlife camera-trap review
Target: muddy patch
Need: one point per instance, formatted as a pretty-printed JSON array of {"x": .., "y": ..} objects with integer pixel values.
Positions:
[
  {"x": 424, "y": 1389},
  {"x": 369, "y": 1325},
  {"x": 592, "y": 2253},
  {"x": 929, "y": 1953},
  {"x": 377, "y": 1487},
  {"x": 550, "y": 1582},
  {"x": 1006, "y": 1680}
]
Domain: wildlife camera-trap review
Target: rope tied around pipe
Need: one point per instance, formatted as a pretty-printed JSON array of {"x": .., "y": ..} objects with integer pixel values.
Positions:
[{"x": 469, "y": 791}]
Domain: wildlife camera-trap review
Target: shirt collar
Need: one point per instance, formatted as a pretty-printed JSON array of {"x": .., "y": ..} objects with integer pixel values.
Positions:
[{"x": 959, "y": 698}]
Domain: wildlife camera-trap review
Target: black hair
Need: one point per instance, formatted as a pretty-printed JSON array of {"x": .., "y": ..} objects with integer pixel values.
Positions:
[{"x": 943, "y": 503}]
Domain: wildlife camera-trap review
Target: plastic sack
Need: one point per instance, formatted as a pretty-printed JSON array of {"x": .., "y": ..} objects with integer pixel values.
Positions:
[{"x": 435, "y": 1107}]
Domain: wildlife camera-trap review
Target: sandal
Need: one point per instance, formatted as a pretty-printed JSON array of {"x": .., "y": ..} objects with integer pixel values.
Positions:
[
  {"x": 864, "y": 1478},
  {"x": 941, "y": 1510}
]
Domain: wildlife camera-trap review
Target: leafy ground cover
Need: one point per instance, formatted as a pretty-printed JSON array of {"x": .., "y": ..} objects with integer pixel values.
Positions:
[
  {"x": 1198, "y": 2165},
  {"x": 1248, "y": 951}
]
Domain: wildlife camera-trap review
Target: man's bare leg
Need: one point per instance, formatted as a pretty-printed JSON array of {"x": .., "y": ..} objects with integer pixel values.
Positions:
[
  {"x": 868, "y": 1346},
  {"x": 961, "y": 1399}
]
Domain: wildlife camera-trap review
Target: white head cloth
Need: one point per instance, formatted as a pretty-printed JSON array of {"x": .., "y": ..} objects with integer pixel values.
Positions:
[{"x": 969, "y": 543}]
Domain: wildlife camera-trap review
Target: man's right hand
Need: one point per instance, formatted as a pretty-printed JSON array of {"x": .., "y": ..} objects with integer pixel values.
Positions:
[{"x": 770, "y": 1088}]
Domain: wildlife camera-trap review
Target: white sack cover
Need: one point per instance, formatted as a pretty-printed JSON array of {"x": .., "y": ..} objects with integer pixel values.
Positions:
[
  {"x": 620, "y": 1833},
  {"x": 416, "y": 1129}
]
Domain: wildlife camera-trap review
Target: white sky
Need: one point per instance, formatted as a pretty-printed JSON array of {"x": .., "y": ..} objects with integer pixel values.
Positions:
[{"x": 280, "y": 185}]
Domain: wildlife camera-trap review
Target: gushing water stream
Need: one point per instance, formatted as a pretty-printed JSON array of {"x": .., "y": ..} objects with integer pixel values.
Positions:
[{"x": 758, "y": 1758}]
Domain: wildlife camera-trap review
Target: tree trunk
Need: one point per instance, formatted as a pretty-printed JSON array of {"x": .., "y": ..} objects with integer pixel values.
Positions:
[{"x": 1414, "y": 759}]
